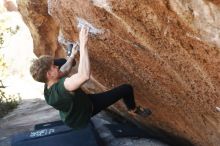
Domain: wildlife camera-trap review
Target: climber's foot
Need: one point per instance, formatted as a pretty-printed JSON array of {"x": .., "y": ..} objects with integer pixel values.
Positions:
[{"x": 143, "y": 112}]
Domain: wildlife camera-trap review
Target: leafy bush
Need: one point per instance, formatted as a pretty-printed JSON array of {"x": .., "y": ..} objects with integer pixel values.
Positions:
[
  {"x": 5, "y": 30},
  {"x": 7, "y": 102}
]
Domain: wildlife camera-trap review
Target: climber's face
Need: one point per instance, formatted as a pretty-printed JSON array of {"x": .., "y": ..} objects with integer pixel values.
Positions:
[{"x": 53, "y": 73}]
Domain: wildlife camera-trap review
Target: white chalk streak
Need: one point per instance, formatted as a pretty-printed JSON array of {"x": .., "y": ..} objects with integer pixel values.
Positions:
[
  {"x": 102, "y": 4},
  {"x": 93, "y": 30}
]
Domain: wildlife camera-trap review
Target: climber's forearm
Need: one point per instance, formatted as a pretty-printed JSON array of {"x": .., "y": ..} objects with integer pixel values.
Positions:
[
  {"x": 76, "y": 80},
  {"x": 84, "y": 63},
  {"x": 66, "y": 68}
]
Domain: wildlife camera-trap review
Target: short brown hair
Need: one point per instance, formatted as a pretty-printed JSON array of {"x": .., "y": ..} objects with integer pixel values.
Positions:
[{"x": 40, "y": 67}]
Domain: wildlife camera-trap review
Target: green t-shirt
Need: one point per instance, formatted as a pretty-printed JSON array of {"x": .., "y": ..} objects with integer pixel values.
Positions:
[{"x": 75, "y": 107}]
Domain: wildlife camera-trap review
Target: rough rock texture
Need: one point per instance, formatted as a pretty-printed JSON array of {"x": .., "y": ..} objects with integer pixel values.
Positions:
[
  {"x": 167, "y": 49},
  {"x": 43, "y": 29}
]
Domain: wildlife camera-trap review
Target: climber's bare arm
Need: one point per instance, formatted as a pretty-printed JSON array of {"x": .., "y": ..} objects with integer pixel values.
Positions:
[
  {"x": 66, "y": 68},
  {"x": 76, "y": 80}
]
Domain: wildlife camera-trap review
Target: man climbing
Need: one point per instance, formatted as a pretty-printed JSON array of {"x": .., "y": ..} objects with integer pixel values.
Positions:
[{"x": 64, "y": 93}]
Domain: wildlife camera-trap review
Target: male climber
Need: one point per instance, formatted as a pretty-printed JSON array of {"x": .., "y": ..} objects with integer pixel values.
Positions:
[{"x": 64, "y": 93}]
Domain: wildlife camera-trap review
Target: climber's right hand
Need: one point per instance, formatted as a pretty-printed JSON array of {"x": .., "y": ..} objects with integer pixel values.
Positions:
[{"x": 83, "y": 35}]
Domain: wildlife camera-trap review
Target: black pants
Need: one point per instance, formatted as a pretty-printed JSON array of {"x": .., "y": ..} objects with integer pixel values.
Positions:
[{"x": 101, "y": 101}]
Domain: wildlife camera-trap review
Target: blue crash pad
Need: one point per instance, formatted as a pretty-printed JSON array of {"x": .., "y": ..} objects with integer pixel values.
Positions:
[{"x": 56, "y": 134}]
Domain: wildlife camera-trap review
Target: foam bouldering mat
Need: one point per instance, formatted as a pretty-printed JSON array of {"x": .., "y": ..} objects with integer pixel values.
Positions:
[{"x": 56, "y": 134}]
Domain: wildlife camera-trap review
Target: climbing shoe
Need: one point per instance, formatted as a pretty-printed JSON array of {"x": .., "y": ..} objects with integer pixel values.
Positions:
[{"x": 143, "y": 112}]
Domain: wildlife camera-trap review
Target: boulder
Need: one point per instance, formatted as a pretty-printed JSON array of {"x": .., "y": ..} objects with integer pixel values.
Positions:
[{"x": 168, "y": 50}]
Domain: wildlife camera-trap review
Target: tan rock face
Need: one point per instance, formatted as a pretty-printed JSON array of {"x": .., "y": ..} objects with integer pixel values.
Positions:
[
  {"x": 43, "y": 28},
  {"x": 168, "y": 50}
]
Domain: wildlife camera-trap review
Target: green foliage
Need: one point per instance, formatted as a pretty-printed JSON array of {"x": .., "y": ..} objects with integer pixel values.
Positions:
[
  {"x": 7, "y": 102},
  {"x": 5, "y": 30},
  {"x": 3, "y": 68}
]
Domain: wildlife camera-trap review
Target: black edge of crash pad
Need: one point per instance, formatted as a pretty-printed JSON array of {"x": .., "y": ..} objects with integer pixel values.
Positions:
[
  {"x": 48, "y": 125},
  {"x": 60, "y": 135}
]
